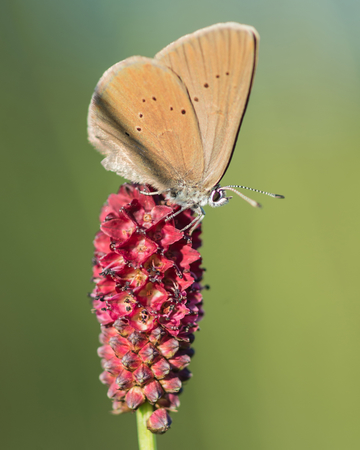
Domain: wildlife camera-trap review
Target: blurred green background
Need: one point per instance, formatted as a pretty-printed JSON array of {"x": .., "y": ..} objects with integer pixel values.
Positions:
[{"x": 277, "y": 359}]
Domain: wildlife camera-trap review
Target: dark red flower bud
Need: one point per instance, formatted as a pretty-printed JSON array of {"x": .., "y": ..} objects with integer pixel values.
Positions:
[
  {"x": 185, "y": 375},
  {"x": 135, "y": 397},
  {"x": 137, "y": 340},
  {"x": 171, "y": 384},
  {"x": 169, "y": 348},
  {"x": 180, "y": 361},
  {"x": 169, "y": 401},
  {"x": 125, "y": 379},
  {"x": 143, "y": 374},
  {"x": 120, "y": 407},
  {"x": 148, "y": 353},
  {"x": 161, "y": 368},
  {"x": 119, "y": 346},
  {"x": 159, "y": 421},
  {"x": 131, "y": 361},
  {"x": 153, "y": 391}
]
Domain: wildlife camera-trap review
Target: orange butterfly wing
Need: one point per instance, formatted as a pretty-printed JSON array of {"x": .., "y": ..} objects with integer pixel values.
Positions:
[
  {"x": 217, "y": 65},
  {"x": 142, "y": 119}
]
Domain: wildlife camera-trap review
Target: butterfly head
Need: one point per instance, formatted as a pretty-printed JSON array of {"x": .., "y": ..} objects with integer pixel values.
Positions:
[{"x": 218, "y": 197}]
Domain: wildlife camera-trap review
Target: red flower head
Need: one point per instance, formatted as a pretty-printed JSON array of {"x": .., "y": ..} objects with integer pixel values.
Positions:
[{"x": 148, "y": 301}]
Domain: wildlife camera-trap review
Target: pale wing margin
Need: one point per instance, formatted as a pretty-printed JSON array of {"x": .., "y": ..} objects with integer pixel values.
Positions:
[
  {"x": 217, "y": 65},
  {"x": 141, "y": 118}
]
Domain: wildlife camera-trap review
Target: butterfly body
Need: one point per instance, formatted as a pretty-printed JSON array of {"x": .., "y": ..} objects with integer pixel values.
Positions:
[{"x": 185, "y": 195}]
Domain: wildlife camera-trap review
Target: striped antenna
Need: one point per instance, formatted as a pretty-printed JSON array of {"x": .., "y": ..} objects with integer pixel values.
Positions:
[
  {"x": 251, "y": 189},
  {"x": 244, "y": 197}
]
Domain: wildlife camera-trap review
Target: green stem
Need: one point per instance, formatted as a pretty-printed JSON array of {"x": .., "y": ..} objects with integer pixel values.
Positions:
[{"x": 147, "y": 440}]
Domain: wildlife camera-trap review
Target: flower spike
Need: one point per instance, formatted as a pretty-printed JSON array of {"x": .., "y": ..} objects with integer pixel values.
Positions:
[{"x": 148, "y": 301}]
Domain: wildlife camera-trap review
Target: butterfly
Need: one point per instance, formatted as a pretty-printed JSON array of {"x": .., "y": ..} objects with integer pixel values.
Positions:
[{"x": 172, "y": 121}]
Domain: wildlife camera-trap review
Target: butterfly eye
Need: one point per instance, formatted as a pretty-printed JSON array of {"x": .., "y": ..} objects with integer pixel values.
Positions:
[{"x": 218, "y": 198}]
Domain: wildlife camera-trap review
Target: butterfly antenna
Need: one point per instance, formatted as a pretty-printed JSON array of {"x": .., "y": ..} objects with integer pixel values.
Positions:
[
  {"x": 244, "y": 197},
  {"x": 255, "y": 190},
  {"x": 247, "y": 199}
]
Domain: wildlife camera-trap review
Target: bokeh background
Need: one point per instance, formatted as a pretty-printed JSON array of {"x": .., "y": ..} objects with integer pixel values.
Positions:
[{"x": 277, "y": 359}]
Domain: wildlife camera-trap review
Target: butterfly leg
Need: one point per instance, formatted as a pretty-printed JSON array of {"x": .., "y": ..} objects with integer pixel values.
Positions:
[
  {"x": 171, "y": 216},
  {"x": 151, "y": 193},
  {"x": 195, "y": 222}
]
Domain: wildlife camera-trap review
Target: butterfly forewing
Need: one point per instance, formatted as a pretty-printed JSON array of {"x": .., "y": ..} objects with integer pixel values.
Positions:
[
  {"x": 217, "y": 65},
  {"x": 142, "y": 119}
]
